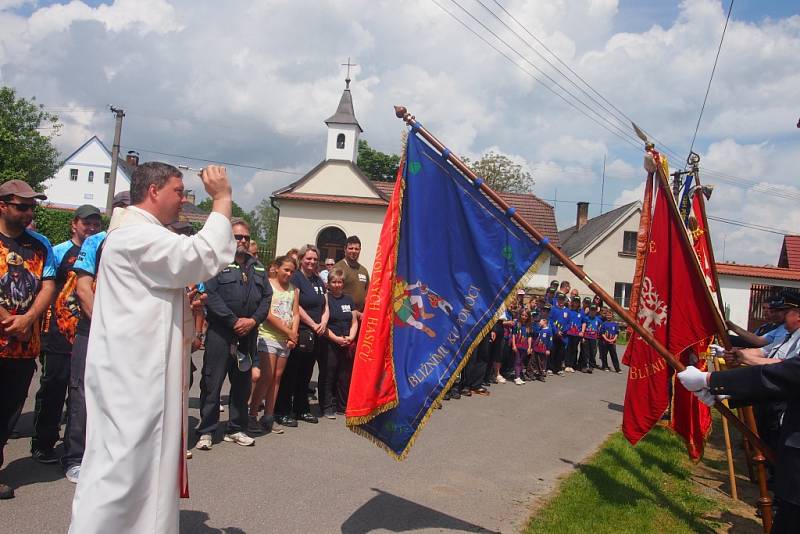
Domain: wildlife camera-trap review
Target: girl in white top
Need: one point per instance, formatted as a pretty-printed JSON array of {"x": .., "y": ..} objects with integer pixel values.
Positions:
[{"x": 277, "y": 336}]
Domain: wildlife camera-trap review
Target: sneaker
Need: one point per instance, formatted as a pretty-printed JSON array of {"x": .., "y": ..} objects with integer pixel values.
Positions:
[
  {"x": 240, "y": 438},
  {"x": 45, "y": 456},
  {"x": 569, "y": 369},
  {"x": 6, "y": 492},
  {"x": 204, "y": 443},
  {"x": 561, "y": 373},
  {"x": 501, "y": 379},
  {"x": 330, "y": 414},
  {"x": 618, "y": 372},
  {"x": 221, "y": 408},
  {"x": 549, "y": 371},
  {"x": 254, "y": 426},
  {"x": 286, "y": 420},
  {"x": 73, "y": 472},
  {"x": 607, "y": 369},
  {"x": 268, "y": 422},
  {"x": 188, "y": 454},
  {"x": 482, "y": 391},
  {"x": 519, "y": 381}
]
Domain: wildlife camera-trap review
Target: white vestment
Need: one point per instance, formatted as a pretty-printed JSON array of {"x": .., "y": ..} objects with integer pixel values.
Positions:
[{"x": 135, "y": 372}]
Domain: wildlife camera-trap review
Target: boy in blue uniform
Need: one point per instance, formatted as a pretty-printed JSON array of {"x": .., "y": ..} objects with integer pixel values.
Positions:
[
  {"x": 574, "y": 335},
  {"x": 559, "y": 321},
  {"x": 609, "y": 331},
  {"x": 591, "y": 331}
]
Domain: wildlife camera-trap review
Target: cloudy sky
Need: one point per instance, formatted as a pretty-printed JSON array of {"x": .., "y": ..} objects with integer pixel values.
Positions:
[{"x": 251, "y": 83}]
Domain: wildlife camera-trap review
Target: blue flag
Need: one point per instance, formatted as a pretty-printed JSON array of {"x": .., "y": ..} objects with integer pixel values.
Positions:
[{"x": 457, "y": 259}]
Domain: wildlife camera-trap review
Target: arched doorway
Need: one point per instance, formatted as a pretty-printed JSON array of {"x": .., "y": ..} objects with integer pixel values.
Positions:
[{"x": 330, "y": 243}]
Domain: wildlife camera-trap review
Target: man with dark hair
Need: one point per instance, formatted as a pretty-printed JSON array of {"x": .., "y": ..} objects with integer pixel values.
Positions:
[
  {"x": 84, "y": 270},
  {"x": 134, "y": 467},
  {"x": 238, "y": 301},
  {"x": 59, "y": 326},
  {"x": 356, "y": 276},
  {"x": 25, "y": 255}
]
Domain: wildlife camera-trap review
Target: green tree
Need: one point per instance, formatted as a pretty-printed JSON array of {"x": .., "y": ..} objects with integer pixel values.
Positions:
[
  {"x": 236, "y": 210},
  {"x": 376, "y": 164},
  {"x": 502, "y": 174},
  {"x": 26, "y": 132},
  {"x": 265, "y": 228}
]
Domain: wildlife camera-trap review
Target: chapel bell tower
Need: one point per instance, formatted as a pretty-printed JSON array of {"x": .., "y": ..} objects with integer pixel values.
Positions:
[{"x": 343, "y": 128}]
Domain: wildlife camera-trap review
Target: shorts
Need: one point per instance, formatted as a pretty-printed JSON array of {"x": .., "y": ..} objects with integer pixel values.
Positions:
[{"x": 273, "y": 347}]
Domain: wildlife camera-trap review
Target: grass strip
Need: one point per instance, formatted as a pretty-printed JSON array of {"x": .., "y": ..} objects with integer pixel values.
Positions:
[{"x": 640, "y": 489}]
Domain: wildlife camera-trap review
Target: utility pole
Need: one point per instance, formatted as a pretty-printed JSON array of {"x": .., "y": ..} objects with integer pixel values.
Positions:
[
  {"x": 603, "y": 186},
  {"x": 112, "y": 181}
]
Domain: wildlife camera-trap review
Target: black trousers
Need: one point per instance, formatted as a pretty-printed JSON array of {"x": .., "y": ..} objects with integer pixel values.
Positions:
[
  {"x": 495, "y": 352},
  {"x": 293, "y": 393},
  {"x": 15, "y": 379},
  {"x": 608, "y": 349},
  {"x": 588, "y": 354},
  {"x": 787, "y": 518},
  {"x": 557, "y": 353},
  {"x": 475, "y": 371},
  {"x": 335, "y": 381},
  {"x": 50, "y": 398},
  {"x": 217, "y": 364},
  {"x": 571, "y": 356},
  {"x": 75, "y": 431}
]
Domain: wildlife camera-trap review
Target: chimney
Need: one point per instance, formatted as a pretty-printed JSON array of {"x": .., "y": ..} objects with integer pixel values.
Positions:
[
  {"x": 583, "y": 215},
  {"x": 132, "y": 158},
  {"x": 190, "y": 198}
]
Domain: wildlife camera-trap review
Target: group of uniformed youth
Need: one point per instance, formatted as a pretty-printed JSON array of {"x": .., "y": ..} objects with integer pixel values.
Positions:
[{"x": 555, "y": 334}]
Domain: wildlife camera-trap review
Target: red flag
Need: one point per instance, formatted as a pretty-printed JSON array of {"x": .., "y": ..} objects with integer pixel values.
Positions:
[
  {"x": 673, "y": 307},
  {"x": 372, "y": 386},
  {"x": 691, "y": 419}
]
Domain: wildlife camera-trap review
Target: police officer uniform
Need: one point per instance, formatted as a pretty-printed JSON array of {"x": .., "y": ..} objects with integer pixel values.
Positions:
[{"x": 237, "y": 291}]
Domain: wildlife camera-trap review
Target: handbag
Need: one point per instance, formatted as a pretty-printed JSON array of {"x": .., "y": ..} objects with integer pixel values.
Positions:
[{"x": 305, "y": 340}]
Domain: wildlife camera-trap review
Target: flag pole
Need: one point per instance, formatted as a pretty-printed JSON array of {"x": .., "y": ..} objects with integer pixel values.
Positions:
[
  {"x": 764, "y": 500},
  {"x": 402, "y": 113}
]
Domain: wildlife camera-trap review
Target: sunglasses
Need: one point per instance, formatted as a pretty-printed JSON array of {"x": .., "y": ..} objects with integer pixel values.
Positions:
[
  {"x": 241, "y": 237},
  {"x": 21, "y": 206}
]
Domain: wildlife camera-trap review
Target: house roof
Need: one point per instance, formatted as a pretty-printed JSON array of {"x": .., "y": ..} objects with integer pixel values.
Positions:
[
  {"x": 757, "y": 271},
  {"x": 573, "y": 240},
  {"x": 344, "y": 113},
  {"x": 287, "y": 193},
  {"x": 790, "y": 252},
  {"x": 122, "y": 165},
  {"x": 534, "y": 210}
]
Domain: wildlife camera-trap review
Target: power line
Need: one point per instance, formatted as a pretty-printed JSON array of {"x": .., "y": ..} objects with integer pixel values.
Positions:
[
  {"x": 194, "y": 158},
  {"x": 751, "y": 226},
  {"x": 711, "y": 79}
]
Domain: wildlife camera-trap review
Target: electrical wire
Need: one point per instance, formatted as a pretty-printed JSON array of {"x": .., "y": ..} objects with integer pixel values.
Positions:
[
  {"x": 711, "y": 79},
  {"x": 194, "y": 158},
  {"x": 751, "y": 226}
]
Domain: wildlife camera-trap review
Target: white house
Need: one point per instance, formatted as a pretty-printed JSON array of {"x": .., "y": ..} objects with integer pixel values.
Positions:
[
  {"x": 336, "y": 199},
  {"x": 84, "y": 177},
  {"x": 605, "y": 247}
]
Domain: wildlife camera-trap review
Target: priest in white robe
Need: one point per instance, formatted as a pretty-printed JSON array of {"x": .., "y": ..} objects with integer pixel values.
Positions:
[{"x": 136, "y": 365}]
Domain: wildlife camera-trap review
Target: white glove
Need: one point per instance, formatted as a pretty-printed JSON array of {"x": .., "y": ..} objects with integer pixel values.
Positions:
[
  {"x": 705, "y": 396},
  {"x": 693, "y": 379},
  {"x": 716, "y": 350}
]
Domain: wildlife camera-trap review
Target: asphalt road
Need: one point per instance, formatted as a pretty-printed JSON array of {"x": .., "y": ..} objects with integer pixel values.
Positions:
[{"x": 478, "y": 466}]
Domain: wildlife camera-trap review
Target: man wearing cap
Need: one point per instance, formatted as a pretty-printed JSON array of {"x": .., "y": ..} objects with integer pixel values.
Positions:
[
  {"x": 27, "y": 270},
  {"x": 58, "y": 329},
  {"x": 84, "y": 270},
  {"x": 134, "y": 467},
  {"x": 774, "y": 379},
  {"x": 768, "y": 332},
  {"x": 239, "y": 298}
]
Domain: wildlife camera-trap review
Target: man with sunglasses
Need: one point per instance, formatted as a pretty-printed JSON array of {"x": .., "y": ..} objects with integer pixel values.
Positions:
[
  {"x": 27, "y": 270},
  {"x": 238, "y": 300}
]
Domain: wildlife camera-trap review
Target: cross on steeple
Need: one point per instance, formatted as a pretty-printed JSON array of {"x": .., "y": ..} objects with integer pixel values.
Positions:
[{"x": 348, "y": 65}]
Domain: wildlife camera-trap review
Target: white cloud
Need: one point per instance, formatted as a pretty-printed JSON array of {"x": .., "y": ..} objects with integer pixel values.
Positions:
[{"x": 253, "y": 82}]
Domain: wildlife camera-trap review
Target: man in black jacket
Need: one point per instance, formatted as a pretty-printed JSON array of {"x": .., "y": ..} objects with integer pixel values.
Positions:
[
  {"x": 238, "y": 300},
  {"x": 780, "y": 381}
]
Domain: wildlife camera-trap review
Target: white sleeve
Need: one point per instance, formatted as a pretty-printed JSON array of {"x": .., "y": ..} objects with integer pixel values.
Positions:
[{"x": 170, "y": 261}]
